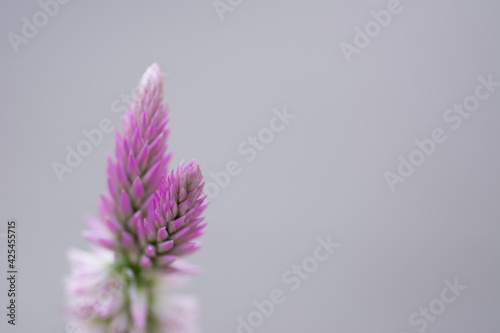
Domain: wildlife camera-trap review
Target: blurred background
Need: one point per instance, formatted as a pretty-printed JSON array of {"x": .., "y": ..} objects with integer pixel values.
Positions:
[{"x": 360, "y": 82}]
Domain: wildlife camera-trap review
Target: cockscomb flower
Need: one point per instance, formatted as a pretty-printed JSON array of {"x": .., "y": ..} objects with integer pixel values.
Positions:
[
  {"x": 173, "y": 219},
  {"x": 141, "y": 161},
  {"x": 147, "y": 220}
]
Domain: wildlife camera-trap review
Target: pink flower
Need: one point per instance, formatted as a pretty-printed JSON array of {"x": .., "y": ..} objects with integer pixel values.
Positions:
[{"x": 146, "y": 222}]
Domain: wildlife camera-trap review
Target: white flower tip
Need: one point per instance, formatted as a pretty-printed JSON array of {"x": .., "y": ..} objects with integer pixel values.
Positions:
[
  {"x": 152, "y": 77},
  {"x": 150, "y": 91}
]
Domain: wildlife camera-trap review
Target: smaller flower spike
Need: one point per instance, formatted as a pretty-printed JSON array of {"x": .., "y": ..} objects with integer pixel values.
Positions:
[{"x": 173, "y": 218}]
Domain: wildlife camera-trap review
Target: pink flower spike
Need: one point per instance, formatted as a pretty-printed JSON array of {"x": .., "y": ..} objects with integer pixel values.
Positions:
[
  {"x": 134, "y": 174},
  {"x": 186, "y": 182}
]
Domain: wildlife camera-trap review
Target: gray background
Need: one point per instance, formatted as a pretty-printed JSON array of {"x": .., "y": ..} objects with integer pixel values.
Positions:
[{"x": 322, "y": 175}]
